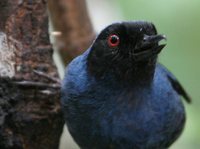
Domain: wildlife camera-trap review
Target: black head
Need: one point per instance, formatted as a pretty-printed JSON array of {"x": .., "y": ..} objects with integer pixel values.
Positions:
[{"x": 125, "y": 49}]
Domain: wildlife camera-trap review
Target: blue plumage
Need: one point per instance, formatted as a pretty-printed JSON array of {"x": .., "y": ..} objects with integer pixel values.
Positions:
[{"x": 108, "y": 112}]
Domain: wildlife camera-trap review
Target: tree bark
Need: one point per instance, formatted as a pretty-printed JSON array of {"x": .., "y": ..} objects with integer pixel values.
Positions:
[
  {"x": 71, "y": 20},
  {"x": 30, "y": 115}
]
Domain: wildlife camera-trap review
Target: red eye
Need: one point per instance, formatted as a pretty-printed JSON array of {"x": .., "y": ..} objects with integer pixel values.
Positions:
[{"x": 113, "y": 40}]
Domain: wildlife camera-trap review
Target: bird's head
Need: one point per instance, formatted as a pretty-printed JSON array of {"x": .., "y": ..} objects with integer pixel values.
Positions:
[{"x": 125, "y": 49}]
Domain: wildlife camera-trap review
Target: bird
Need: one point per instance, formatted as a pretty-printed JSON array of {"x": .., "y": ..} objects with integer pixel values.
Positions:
[{"x": 116, "y": 95}]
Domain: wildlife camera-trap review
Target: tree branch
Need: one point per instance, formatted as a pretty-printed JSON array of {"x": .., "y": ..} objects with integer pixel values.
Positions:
[
  {"x": 70, "y": 18},
  {"x": 30, "y": 117}
]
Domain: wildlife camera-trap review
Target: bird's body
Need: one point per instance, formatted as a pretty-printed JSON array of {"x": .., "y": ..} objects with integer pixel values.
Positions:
[{"x": 111, "y": 112}]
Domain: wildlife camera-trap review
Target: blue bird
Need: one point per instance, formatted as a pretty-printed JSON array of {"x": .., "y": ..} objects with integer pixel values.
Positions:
[{"x": 117, "y": 96}]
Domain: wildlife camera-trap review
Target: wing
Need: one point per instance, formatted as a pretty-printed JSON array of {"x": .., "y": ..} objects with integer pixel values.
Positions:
[{"x": 175, "y": 83}]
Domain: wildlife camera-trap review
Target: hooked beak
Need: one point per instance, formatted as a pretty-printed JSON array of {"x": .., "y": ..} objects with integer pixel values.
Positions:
[{"x": 149, "y": 47}]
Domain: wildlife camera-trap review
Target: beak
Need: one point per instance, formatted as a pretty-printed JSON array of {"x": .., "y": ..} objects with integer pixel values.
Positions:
[
  {"x": 153, "y": 39},
  {"x": 149, "y": 47}
]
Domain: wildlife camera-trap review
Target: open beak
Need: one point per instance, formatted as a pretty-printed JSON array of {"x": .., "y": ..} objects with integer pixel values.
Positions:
[{"x": 149, "y": 47}]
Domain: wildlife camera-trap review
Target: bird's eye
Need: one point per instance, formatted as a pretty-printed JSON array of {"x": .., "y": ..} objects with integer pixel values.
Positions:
[{"x": 113, "y": 40}]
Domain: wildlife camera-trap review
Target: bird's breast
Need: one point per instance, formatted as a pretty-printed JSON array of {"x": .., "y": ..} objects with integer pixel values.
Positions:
[{"x": 145, "y": 116}]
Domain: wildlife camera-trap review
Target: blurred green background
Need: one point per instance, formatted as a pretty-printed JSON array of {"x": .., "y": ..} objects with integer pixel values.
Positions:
[{"x": 179, "y": 20}]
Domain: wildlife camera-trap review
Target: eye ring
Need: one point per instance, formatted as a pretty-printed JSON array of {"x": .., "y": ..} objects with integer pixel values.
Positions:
[{"x": 113, "y": 40}]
